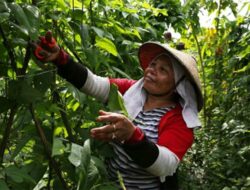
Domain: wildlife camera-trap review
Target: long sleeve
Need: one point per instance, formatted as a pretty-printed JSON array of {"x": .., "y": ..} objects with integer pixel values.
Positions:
[
  {"x": 73, "y": 72},
  {"x": 174, "y": 139},
  {"x": 83, "y": 79}
]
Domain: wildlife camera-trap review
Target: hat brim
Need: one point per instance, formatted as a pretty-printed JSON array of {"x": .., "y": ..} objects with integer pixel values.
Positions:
[{"x": 149, "y": 50}]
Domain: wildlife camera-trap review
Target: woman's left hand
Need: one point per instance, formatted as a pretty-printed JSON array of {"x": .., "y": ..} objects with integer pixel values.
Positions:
[{"x": 120, "y": 128}]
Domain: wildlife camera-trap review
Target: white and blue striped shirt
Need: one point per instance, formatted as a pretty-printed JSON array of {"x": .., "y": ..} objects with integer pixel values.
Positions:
[{"x": 134, "y": 176}]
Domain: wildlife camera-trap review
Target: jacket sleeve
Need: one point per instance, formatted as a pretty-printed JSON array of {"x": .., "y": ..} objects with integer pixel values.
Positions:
[
  {"x": 89, "y": 83},
  {"x": 174, "y": 133},
  {"x": 156, "y": 159},
  {"x": 73, "y": 72},
  {"x": 83, "y": 79},
  {"x": 173, "y": 142},
  {"x": 162, "y": 159},
  {"x": 122, "y": 83}
]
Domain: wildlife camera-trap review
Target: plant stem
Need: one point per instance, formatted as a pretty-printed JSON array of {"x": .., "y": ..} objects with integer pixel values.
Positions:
[
  {"x": 7, "y": 133},
  {"x": 92, "y": 21},
  {"x": 45, "y": 143},
  {"x": 67, "y": 44},
  {"x": 9, "y": 50},
  {"x": 26, "y": 60},
  {"x": 64, "y": 116},
  {"x": 50, "y": 176},
  {"x": 217, "y": 19},
  {"x": 203, "y": 78}
]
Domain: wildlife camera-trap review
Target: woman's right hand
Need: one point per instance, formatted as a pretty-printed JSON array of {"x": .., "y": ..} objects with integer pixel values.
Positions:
[
  {"x": 120, "y": 128},
  {"x": 46, "y": 48}
]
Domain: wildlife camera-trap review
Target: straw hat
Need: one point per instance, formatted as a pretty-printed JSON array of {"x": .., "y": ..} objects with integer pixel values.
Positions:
[{"x": 149, "y": 50}]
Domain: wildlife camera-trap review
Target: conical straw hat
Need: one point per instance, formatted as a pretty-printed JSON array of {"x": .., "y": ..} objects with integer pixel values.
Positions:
[{"x": 149, "y": 50}]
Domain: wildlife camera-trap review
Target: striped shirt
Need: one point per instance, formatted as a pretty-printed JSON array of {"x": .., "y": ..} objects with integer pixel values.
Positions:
[{"x": 134, "y": 176}]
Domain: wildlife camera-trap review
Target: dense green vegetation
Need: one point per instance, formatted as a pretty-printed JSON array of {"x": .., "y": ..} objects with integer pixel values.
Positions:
[{"x": 44, "y": 121}]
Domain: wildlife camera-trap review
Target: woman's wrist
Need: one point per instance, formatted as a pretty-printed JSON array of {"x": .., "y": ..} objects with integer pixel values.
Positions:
[
  {"x": 136, "y": 137},
  {"x": 62, "y": 58}
]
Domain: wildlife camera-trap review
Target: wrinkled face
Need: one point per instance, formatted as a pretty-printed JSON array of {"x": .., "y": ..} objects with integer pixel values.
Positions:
[{"x": 159, "y": 77}]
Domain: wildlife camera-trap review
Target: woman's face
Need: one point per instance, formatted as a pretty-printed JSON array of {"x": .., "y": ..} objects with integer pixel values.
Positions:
[{"x": 159, "y": 77}]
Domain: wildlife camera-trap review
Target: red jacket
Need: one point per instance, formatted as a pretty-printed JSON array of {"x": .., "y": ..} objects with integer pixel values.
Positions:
[{"x": 173, "y": 132}]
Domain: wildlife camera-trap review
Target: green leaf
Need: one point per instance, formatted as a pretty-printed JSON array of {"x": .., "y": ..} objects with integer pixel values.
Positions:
[
  {"x": 4, "y": 7},
  {"x": 98, "y": 31},
  {"x": 75, "y": 154},
  {"x": 21, "y": 29},
  {"x": 247, "y": 184},
  {"x": 42, "y": 81},
  {"x": 58, "y": 147},
  {"x": 106, "y": 45},
  {"x": 20, "y": 15},
  {"x": 244, "y": 69},
  {"x": 79, "y": 96},
  {"x": 99, "y": 164},
  {"x": 4, "y": 17},
  {"x": 103, "y": 149},
  {"x": 18, "y": 175},
  {"x": 244, "y": 53},
  {"x": 27, "y": 18},
  {"x": 121, "y": 72},
  {"x": 20, "y": 145},
  {"x": 87, "y": 3},
  {"x": 32, "y": 14},
  {"x": 22, "y": 92},
  {"x": 19, "y": 41},
  {"x": 85, "y": 161},
  {"x": 84, "y": 33},
  {"x": 116, "y": 102},
  {"x": 91, "y": 179},
  {"x": 80, "y": 155},
  {"x": 121, "y": 180},
  {"x": 36, "y": 171},
  {"x": 3, "y": 185},
  {"x": 5, "y": 104}
]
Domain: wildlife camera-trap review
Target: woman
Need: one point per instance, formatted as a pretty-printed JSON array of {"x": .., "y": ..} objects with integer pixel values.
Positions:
[{"x": 163, "y": 111}]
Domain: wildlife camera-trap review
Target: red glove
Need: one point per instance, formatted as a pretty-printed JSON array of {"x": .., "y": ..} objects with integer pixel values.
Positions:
[{"x": 46, "y": 50}]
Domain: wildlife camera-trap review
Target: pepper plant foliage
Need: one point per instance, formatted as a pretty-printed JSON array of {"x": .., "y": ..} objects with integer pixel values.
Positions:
[{"x": 45, "y": 121}]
